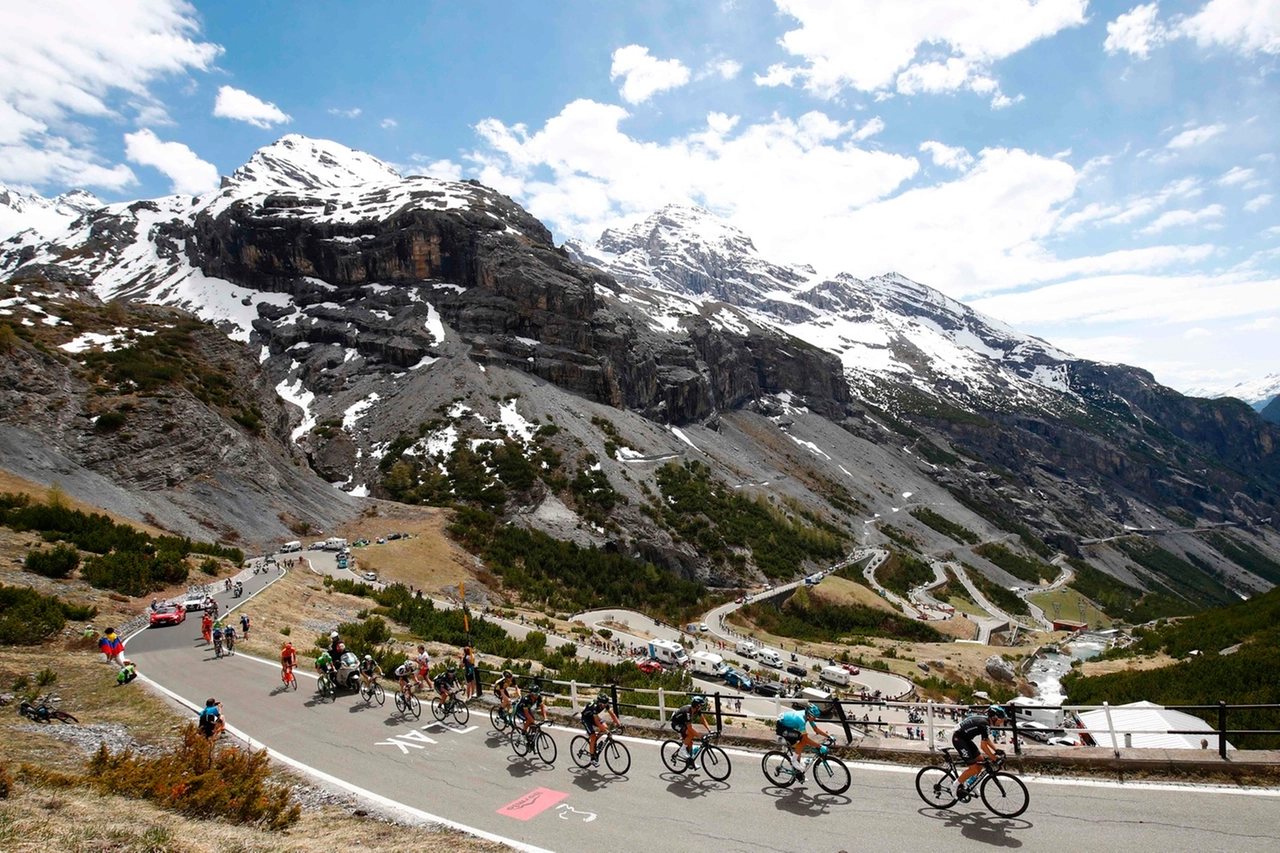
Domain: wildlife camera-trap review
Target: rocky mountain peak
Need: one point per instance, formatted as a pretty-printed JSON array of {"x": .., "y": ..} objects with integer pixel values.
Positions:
[
  {"x": 299, "y": 162},
  {"x": 20, "y": 211}
]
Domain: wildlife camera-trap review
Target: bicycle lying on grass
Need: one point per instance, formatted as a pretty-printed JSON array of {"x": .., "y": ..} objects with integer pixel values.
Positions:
[
  {"x": 831, "y": 774},
  {"x": 614, "y": 752},
  {"x": 455, "y": 707},
  {"x": 714, "y": 760},
  {"x": 534, "y": 740},
  {"x": 1001, "y": 791},
  {"x": 42, "y": 711}
]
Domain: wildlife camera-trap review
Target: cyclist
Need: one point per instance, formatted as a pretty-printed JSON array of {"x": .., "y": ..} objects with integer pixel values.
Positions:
[
  {"x": 976, "y": 726},
  {"x": 211, "y": 720},
  {"x": 288, "y": 660},
  {"x": 423, "y": 660},
  {"x": 445, "y": 683},
  {"x": 217, "y": 637},
  {"x": 792, "y": 726},
  {"x": 369, "y": 671},
  {"x": 682, "y": 724},
  {"x": 405, "y": 671},
  {"x": 505, "y": 689},
  {"x": 594, "y": 724},
  {"x": 324, "y": 666},
  {"x": 524, "y": 708},
  {"x": 229, "y": 634}
]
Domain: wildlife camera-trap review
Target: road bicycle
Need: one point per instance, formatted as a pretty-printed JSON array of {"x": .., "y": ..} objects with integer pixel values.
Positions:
[
  {"x": 372, "y": 690},
  {"x": 831, "y": 774},
  {"x": 231, "y": 644},
  {"x": 714, "y": 760},
  {"x": 455, "y": 707},
  {"x": 217, "y": 646},
  {"x": 1001, "y": 791},
  {"x": 42, "y": 711},
  {"x": 407, "y": 702},
  {"x": 614, "y": 752},
  {"x": 287, "y": 678},
  {"x": 534, "y": 740},
  {"x": 326, "y": 686},
  {"x": 500, "y": 718}
]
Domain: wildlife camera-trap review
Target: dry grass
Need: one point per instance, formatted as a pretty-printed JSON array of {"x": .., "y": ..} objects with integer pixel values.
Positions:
[
  {"x": 11, "y": 482},
  {"x": 1103, "y": 667},
  {"x": 841, "y": 591},
  {"x": 427, "y": 560},
  {"x": 73, "y": 820},
  {"x": 1070, "y": 602}
]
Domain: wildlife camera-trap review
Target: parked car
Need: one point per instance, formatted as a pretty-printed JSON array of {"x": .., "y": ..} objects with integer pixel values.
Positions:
[
  {"x": 382, "y": 540},
  {"x": 359, "y": 543},
  {"x": 393, "y": 536},
  {"x": 369, "y": 576},
  {"x": 168, "y": 614},
  {"x": 796, "y": 669},
  {"x": 738, "y": 679},
  {"x": 768, "y": 688},
  {"x": 740, "y": 600},
  {"x": 649, "y": 666},
  {"x": 702, "y": 626}
]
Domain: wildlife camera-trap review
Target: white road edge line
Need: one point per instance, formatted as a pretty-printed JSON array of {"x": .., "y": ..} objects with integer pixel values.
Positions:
[{"x": 363, "y": 793}]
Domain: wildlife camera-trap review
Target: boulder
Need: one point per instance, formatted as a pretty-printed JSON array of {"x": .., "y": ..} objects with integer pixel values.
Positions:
[{"x": 1000, "y": 669}]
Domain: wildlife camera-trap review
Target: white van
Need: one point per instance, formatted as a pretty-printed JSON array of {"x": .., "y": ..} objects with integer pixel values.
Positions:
[
  {"x": 291, "y": 547},
  {"x": 835, "y": 675},
  {"x": 668, "y": 653},
  {"x": 708, "y": 663},
  {"x": 770, "y": 657},
  {"x": 746, "y": 648}
]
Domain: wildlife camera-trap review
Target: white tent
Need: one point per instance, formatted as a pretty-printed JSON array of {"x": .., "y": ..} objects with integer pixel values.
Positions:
[{"x": 1148, "y": 725}]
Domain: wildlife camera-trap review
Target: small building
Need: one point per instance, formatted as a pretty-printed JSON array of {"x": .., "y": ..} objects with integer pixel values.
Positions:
[
  {"x": 1148, "y": 726},
  {"x": 1068, "y": 625}
]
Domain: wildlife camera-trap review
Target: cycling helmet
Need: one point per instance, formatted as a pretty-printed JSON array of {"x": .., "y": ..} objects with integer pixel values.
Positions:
[
  {"x": 997, "y": 711},
  {"x": 333, "y": 635},
  {"x": 813, "y": 711},
  {"x": 535, "y": 690},
  {"x": 452, "y": 668},
  {"x": 700, "y": 701},
  {"x": 605, "y": 698},
  {"x": 368, "y": 657},
  {"x": 506, "y": 673}
]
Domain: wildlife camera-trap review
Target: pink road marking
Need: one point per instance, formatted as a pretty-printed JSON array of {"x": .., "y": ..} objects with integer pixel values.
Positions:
[{"x": 533, "y": 803}]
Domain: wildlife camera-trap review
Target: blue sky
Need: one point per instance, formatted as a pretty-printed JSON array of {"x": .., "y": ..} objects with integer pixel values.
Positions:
[{"x": 1100, "y": 174}]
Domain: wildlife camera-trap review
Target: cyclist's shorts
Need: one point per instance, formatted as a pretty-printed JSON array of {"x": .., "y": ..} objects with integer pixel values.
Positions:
[
  {"x": 679, "y": 724},
  {"x": 968, "y": 749},
  {"x": 589, "y": 726},
  {"x": 791, "y": 736}
]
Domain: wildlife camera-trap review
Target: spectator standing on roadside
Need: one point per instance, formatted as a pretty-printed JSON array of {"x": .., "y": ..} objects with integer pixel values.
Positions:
[
  {"x": 244, "y": 625},
  {"x": 469, "y": 672},
  {"x": 206, "y": 628},
  {"x": 112, "y": 646}
]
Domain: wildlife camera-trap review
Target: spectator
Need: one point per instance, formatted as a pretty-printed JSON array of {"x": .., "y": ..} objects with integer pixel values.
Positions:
[
  {"x": 211, "y": 721},
  {"x": 128, "y": 672},
  {"x": 244, "y": 625},
  {"x": 112, "y": 646}
]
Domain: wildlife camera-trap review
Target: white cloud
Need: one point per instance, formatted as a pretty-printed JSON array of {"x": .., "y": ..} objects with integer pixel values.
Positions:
[
  {"x": 1273, "y": 231},
  {"x": 946, "y": 156},
  {"x": 444, "y": 169},
  {"x": 239, "y": 105},
  {"x": 1262, "y": 324},
  {"x": 351, "y": 113},
  {"x": 1196, "y": 136},
  {"x": 1136, "y": 31},
  {"x": 65, "y": 59},
  {"x": 870, "y": 129},
  {"x": 1236, "y": 175},
  {"x": 1253, "y": 205},
  {"x": 721, "y": 123},
  {"x": 388, "y": 124},
  {"x": 725, "y": 69},
  {"x": 187, "y": 173},
  {"x": 643, "y": 76},
  {"x": 1247, "y": 26},
  {"x": 1172, "y": 218},
  {"x": 1197, "y": 333},
  {"x": 871, "y": 45}
]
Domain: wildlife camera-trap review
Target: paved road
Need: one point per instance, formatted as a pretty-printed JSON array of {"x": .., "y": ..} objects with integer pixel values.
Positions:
[{"x": 470, "y": 776}]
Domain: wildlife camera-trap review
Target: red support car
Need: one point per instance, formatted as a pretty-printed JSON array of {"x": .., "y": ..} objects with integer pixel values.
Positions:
[{"x": 168, "y": 614}]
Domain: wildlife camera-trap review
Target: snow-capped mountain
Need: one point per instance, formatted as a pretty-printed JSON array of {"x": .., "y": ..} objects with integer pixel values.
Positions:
[
  {"x": 886, "y": 328},
  {"x": 1256, "y": 392},
  {"x": 20, "y": 211}
]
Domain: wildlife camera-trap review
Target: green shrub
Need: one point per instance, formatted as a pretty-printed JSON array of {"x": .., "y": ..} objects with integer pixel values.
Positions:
[
  {"x": 1022, "y": 568},
  {"x": 199, "y": 779},
  {"x": 109, "y": 421},
  {"x": 28, "y": 618},
  {"x": 807, "y": 617},
  {"x": 57, "y": 563},
  {"x": 944, "y": 525},
  {"x": 134, "y": 573},
  {"x": 209, "y": 566}
]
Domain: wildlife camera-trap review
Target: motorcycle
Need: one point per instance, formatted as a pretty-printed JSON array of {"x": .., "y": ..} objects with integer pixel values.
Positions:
[{"x": 237, "y": 590}]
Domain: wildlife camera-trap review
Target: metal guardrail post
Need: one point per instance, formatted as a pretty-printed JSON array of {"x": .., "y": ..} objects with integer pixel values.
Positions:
[
  {"x": 928, "y": 710},
  {"x": 1111, "y": 727},
  {"x": 1222, "y": 729},
  {"x": 662, "y": 705},
  {"x": 573, "y": 696},
  {"x": 1013, "y": 725},
  {"x": 838, "y": 706},
  {"x": 613, "y": 690},
  {"x": 719, "y": 719}
]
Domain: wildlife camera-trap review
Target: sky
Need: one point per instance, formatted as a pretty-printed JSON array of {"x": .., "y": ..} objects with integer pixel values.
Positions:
[{"x": 1100, "y": 174}]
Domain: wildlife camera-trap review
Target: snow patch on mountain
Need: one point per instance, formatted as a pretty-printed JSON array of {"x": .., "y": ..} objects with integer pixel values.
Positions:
[
  {"x": 21, "y": 211},
  {"x": 1255, "y": 392}
]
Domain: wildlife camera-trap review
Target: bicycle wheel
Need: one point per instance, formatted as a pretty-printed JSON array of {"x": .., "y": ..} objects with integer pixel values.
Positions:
[
  {"x": 831, "y": 774},
  {"x": 580, "y": 751},
  {"x": 519, "y": 742},
  {"x": 379, "y": 694},
  {"x": 437, "y": 709},
  {"x": 715, "y": 761},
  {"x": 545, "y": 744},
  {"x": 671, "y": 757},
  {"x": 400, "y": 703},
  {"x": 617, "y": 757},
  {"x": 1005, "y": 794},
  {"x": 414, "y": 706},
  {"x": 461, "y": 713},
  {"x": 931, "y": 786},
  {"x": 498, "y": 719},
  {"x": 777, "y": 769}
]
